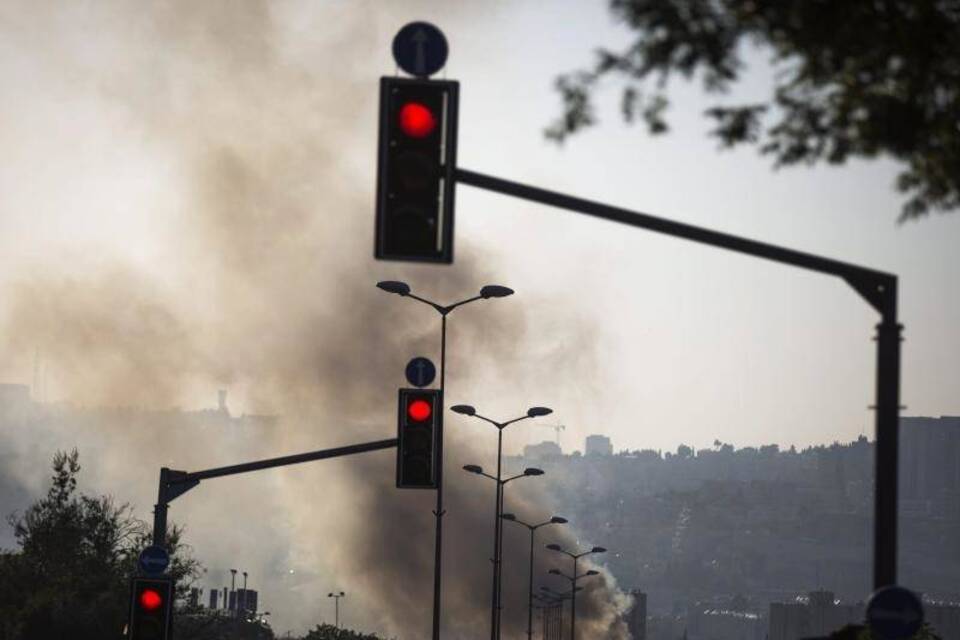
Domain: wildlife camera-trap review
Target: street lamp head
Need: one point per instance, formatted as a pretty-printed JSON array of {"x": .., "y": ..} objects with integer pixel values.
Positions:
[
  {"x": 464, "y": 409},
  {"x": 329, "y": 595},
  {"x": 554, "y": 547},
  {"x": 598, "y": 550},
  {"x": 532, "y": 471},
  {"x": 592, "y": 573},
  {"x": 535, "y": 412},
  {"x": 558, "y": 520},
  {"x": 473, "y": 468},
  {"x": 555, "y": 572},
  {"x": 394, "y": 286},
  {"x": 495, "y": 291},
  {"x": 509, "y": 516}
]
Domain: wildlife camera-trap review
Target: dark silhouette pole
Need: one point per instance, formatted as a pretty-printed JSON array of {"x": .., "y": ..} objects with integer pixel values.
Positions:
[
  {"x": 573, "y": 581},
  {"x": 487, "y": 292},
  {"x": 336, "y": 607},
  {"x": 532, "y": 528},
  {"x": 532, "y": 412},
  {"x": 879, "y": 289}
]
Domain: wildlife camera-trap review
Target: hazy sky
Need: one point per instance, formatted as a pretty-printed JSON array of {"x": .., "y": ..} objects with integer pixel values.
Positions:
[
  {"x": 677, "y": 342},
  {"x": 159, "y": 168}
]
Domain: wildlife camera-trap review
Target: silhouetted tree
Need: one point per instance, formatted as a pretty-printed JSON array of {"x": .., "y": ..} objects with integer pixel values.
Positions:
[
  {"x": 70, "y": 576},
  {"x": 330, "y": 632},
  {"x": 854, "y": 79}
]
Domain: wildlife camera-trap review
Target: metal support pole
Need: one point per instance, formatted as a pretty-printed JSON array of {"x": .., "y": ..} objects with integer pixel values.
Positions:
[
  {"x": 573, "y": 602},
  {"x": 530, "y": 590},
  {"x": 495, "y": 599},
  {"x": 438, "y": 544},
  {"x": 888, "y": 434},
  {"x": 160, "y": 511}
]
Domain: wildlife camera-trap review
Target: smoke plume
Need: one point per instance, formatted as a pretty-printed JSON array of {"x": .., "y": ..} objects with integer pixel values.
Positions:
[{"x": 252, "y": 128}]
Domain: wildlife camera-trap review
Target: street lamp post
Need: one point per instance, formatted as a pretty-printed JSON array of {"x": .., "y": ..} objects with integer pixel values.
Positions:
[
  {"x": 532, "y": 528},
  {"x": 336, "y": 607},
  {"x": 233, "y": 579},
  {"x": 560, "y": 597},
  {"x": 497, "y": 546},
  {"x": 244, "y": 598},
  {"x": 486, "y": 292},
  {"x": 573, "y": 581},
  {"x": 532, "y": 412}
]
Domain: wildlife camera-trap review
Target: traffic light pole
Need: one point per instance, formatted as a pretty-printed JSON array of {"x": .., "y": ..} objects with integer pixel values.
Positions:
[
  {"x": 175, "y": 483},
  {"x": 879, "y": 289},
  {"x": 438, "y": 543}
]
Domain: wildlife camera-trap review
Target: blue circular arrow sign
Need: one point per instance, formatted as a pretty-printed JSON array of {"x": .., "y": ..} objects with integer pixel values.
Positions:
[
  {"x": 154, "y": 560},
  {"x": 894, "y": 613},
  {"x": 420, "y": 372},
  {"x": 420, "y": 49}
]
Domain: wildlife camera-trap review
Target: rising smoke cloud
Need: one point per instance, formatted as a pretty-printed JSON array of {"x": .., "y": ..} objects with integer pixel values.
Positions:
[{"x": 254, "y": 119}]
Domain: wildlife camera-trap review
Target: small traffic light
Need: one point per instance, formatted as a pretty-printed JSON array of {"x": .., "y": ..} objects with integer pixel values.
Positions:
[
  {"x": 151, "y": 608},
  {"x": 415, "y": 165},
  {"x": 419, "y": 422}
]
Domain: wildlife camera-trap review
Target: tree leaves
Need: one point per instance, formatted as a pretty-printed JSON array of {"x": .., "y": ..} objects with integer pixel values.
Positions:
[{"x": 854, "y": 80}]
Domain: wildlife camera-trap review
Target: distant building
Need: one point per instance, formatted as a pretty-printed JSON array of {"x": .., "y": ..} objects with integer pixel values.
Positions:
[
  {"x": 598, "y": 445},
  {"x": 213, "y": 598},
  {"x": 194, "y": 600},
  {"x": 708, "y": 623},
  {"x": 944, "y": 617},
  {"x": 930, "y": 466},
  {"x": 247, "y": 599},
  {"x": 636, "y": 616},
  {"x": 545, "y": 449},
  {"x": 817, "y": 614}
]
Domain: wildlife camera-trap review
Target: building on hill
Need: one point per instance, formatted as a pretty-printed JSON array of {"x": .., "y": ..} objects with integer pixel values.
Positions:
[
  {"x": 598, "y": 445},
  {"x": 545, "y": 449},
  {"x": 636, "y": 615},
  {"x": 817, "y": 614}
]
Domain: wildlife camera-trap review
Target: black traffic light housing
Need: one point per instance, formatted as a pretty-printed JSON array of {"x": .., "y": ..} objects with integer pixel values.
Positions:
[
  {"x": 416, "y": 160},
  {"x": 419, "y": 421},
  {"x": 151, "y": 608}
]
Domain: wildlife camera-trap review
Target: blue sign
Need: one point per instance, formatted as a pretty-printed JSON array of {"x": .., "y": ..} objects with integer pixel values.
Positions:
[
  {"x": 154, "y": 560},
  {"x": 894, "y": 613},
  {"x": 420, "y": 372},
  {"x": 420, "y": 49}
]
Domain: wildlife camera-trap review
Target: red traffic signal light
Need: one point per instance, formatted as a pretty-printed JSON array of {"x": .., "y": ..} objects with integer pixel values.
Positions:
[
  {"x": 151, "y": 608},
  {"x": 417, "y": 120},
  {"x": 150, "y": 600},
  {"x": 419, "y": 427},
  {"x": 416, "y": 160}
]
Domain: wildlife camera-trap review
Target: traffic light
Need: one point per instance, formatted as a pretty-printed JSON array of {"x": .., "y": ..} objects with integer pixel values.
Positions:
[
  {"x": 415, "y": 166},
  {"x": 419, "y": 422},
  {"x": 151, "y": 607}
]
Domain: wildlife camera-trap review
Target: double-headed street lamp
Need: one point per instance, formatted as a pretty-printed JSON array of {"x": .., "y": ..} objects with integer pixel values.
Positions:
[
  {"x": 486, "y": 292},
  {"x": 336, "y": 615},
  {"x": 573, "y": 580},
  {"x": 532, "y": 528},
  {"x": 495, "y": 597},
  {"x": 532, "y": 412}
]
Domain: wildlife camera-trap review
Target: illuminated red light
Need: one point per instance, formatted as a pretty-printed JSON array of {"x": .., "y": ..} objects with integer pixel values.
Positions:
[
  {"x": 416, "y": 120},
  {"x": 419, "y": 410},
  {"x": 150, "y": 600}
]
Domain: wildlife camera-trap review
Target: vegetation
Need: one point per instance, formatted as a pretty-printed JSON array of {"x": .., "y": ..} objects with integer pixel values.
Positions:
[
  {"x": 70, "y": 576},
  {"x": 330, "y": 632},
  {"x": 853, "y": 80}
]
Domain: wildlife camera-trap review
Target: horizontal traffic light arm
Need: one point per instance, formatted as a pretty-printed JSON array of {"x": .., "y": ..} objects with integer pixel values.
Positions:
[
  {"x": 175, "y": 483},
  {"x": 878, "y": 288},
  {"x": 283, "y": 461}
]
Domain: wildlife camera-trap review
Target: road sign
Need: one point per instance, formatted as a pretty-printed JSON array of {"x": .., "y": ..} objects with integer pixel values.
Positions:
[
  {"x": 154, "y": 560},
  {"x": 420, "y": 372},
  {"x": 894, "y": 613},
  {"x": 420, "y": 49}
]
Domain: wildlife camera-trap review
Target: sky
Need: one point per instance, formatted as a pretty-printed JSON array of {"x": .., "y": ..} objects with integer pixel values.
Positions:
[{"x": 188, "y": 202}]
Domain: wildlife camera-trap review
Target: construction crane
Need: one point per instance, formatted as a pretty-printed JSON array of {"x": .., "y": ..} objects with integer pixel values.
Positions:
[{"x": 556, "y": 427}]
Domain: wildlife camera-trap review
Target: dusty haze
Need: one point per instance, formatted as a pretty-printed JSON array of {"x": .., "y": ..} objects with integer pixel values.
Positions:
[{"x": 254, "y": 274}]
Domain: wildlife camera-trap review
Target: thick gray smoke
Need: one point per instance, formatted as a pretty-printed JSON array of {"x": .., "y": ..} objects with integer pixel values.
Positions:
[{"x": 254, "y": 122}]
